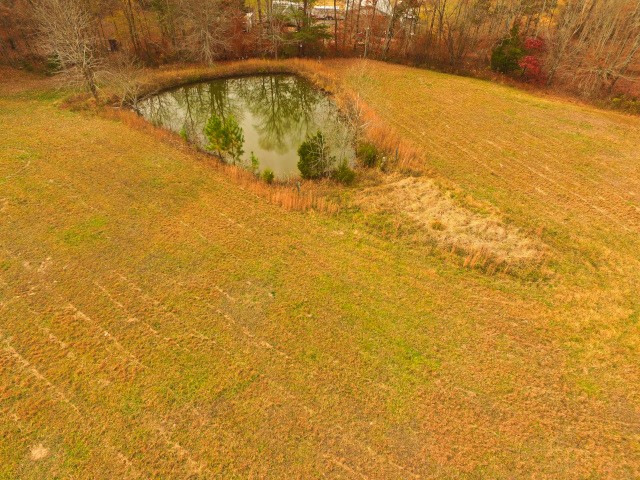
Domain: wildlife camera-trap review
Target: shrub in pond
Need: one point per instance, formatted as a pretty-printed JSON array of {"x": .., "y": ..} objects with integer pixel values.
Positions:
[
  {"x": 315, "y": 159},
  {"x": 225, "y": 136},
  {"x": 368, "y": 155},
  {"x": 344, "y": 173},
  {"x": 268, "y": 175}
]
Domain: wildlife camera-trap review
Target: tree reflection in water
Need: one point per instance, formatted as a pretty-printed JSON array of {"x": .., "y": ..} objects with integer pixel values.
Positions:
[{"x": 276, "y": 113}]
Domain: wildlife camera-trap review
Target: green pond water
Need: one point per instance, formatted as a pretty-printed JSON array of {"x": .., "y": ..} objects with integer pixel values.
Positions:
[{"x": 275, "y": 112}]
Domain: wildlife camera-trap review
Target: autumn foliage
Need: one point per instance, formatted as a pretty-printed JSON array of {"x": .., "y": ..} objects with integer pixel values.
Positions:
[{"x": 531, "y": 65}]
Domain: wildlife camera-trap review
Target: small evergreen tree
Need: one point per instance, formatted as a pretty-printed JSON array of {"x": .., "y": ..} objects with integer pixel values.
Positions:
[
  {"x": 268, "y": 175},
  {"x": 308, "y": 32},
  {"x": 225, "y": 136},
  {"x": 254, "y": 166},
  {"x": 235, "y": 137},
  {"x": 344, "y": 173},
  {"x": 315, "y": 159},
  {"x": 506, "y": 55},
  {"x": 214, "y": 131},
  {"x": 368, "y": 155}
]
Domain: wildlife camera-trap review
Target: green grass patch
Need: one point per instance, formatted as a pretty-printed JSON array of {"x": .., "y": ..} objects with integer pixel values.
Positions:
[{"x": 88, "y": 231}]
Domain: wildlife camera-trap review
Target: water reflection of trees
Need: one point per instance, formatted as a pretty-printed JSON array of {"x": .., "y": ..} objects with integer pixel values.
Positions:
[
  {"x": 283, "y": 109},
  {"x": 200, "y": 101}
]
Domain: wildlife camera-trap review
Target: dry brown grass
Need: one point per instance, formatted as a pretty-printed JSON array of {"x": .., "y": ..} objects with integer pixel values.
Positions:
[
  {"x": 483, "y": 240},
  {"x": 18, "y": 81},
  {"x": 159, "y": 320}
]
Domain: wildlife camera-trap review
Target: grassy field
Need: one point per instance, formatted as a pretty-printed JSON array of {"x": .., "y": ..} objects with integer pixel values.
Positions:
[{"x": 159, "y": 320}]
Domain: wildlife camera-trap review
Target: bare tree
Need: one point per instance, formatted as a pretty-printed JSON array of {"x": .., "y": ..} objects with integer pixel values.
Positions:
[
  {"x": 609, "y": 48},
  {"x": 573, "y": 16},
  {"x": 357, "y": 29},
  {"x": 123, "y": 78},
  {"x": 166, "y": 16},
  {"x": 273, "y": 35},
  {"x": 67, "y": 33},
  {"x": 209, "y": 27},
  {"x": 594, "y": 43},
  {"x": 369, "y": 29},
  {"x": 393, "y": 18},
  {"x": 335, "y": 25},
  {"x": 130, "y": 15}
]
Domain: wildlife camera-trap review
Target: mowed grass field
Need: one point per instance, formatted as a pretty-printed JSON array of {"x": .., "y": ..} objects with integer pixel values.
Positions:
[{"x": 159, "y": 321}]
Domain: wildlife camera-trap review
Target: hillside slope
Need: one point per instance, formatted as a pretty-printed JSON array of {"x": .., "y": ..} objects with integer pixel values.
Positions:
[{"x": 157, "y": 320}]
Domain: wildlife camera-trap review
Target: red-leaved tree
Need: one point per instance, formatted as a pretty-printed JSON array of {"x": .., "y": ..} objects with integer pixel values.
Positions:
[{"x": 530, "y": 64}]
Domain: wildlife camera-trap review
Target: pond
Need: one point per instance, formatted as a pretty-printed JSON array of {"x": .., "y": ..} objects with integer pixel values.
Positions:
[{"x": 276, "y": 114}]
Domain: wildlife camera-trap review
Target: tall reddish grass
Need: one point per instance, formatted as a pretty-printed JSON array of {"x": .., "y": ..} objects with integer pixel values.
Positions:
[{"x": 399, "y": 152}]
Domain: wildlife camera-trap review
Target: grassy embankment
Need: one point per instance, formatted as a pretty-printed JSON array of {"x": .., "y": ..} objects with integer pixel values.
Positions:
[{"x": 158, "y": 319}]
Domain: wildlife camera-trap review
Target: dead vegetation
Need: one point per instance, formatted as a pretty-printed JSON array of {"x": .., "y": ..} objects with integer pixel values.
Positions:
[{"x": 484, "y": 240}]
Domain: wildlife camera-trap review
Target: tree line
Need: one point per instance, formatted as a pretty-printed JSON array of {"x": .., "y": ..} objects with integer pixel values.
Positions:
[{"x": 589, "y": 46}]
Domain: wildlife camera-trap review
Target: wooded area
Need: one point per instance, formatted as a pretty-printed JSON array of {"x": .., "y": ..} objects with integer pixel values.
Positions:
[{"x": 590, "y": 47}]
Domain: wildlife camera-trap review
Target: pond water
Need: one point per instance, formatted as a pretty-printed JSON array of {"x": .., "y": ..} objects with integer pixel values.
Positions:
[{"x": 275, "y": 112}]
